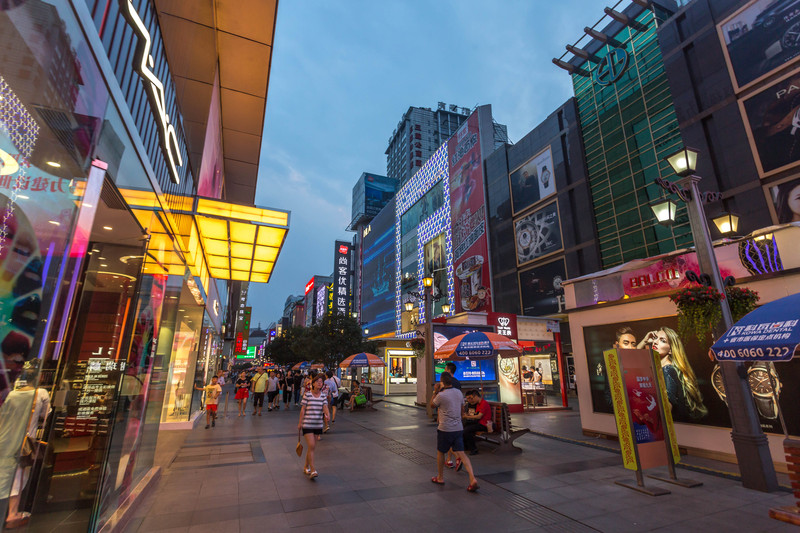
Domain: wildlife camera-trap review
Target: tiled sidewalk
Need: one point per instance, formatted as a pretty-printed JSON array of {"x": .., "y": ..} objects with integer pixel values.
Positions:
[{"x": 375, "y": 470}]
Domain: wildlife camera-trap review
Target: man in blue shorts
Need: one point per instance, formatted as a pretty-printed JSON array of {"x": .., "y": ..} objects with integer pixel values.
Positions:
[{"x": 450, "y": 404}]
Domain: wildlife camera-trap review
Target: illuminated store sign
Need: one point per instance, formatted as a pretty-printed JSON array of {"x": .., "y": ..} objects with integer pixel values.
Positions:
[
  {"x": 341, "y": 279},
  {"x": 309, "y": 286},
  {"x": 155, "y": 90}
]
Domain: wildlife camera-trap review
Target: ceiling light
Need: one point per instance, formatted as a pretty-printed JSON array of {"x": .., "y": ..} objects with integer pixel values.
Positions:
[
  {"x": 108, "y": 228},
  {"x": 23, "y": 197},
  {"x": 103, "y": 265},
  {"x": 53, "y": 222},
  {"x": 54, "y": 164}
]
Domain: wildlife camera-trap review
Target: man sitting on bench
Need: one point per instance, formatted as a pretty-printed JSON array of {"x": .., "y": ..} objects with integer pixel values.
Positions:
[{"x": 473, "y": 423}]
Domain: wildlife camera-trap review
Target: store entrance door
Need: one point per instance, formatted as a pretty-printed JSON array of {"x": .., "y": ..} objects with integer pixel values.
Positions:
[
  {"x": 402, "y": 372},
  {"x": 90, "y": 372}
]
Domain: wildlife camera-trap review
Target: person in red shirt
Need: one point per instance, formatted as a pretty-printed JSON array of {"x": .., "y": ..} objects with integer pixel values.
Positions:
[{"x": 476, "y": 422}]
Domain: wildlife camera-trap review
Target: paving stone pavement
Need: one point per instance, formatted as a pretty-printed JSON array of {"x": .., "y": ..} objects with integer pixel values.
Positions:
[{"x": 374, "y": 474}]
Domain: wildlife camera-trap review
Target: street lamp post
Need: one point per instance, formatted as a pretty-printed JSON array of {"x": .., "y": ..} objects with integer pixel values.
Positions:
[
  {"x": 749, "y": 442},
  {"x": 428, "y": 298}
]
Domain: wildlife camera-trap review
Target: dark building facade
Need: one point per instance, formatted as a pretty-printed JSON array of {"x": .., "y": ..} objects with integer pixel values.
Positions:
[
  {"x": 734, "y": 75},
  {"x": 540, "y": 229}
]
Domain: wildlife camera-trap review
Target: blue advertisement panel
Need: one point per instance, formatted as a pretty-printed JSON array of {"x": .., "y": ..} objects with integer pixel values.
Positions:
[
  {"x": 378, "y": 273},
  {"x": 466, "y": 371}
]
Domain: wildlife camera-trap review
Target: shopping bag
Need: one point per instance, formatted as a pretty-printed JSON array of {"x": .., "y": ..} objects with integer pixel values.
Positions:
[{"x": 299, "y": 448}]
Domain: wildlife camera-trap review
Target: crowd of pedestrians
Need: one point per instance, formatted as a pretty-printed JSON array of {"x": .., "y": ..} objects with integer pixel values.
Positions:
[{"x": 320, "y": 395}]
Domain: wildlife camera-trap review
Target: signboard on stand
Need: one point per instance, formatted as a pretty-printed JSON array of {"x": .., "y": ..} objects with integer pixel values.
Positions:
[{"x": 644, "y": 425}]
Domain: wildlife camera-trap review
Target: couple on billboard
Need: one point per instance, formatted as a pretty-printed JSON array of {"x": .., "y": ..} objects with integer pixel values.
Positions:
[{"x": 684, "y": 395}]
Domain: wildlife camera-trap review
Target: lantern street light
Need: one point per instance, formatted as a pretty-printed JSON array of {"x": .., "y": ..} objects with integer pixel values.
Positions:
[
  {"x": 726, "y": 223},
  {"x": 749, "y": 442},
  {"x": 664, "y": 210}
]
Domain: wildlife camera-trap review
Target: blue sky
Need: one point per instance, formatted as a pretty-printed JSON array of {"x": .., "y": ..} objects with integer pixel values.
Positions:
[{"x": 344, "y": 72}]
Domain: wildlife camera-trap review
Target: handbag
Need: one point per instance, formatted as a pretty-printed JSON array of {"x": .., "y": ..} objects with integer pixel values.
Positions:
[
  {"x": 31, "y": 447},
  {"x": 361, "y": 399},
  {"x": 299, "y": 448}
]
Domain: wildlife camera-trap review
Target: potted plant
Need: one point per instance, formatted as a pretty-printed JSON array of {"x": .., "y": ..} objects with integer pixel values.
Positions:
[
  {"x": 418, "y": 345},
  {"x": 698, "y": 310},
  {"x": 741, "y": 300}
]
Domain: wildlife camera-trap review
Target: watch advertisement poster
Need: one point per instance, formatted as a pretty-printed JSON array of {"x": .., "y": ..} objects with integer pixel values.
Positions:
[
  {"x": 772, "y": 121},
  {"x": 541, "y": 290},
  {"x": 468, "y": 216},
  {"x": 692, "y": 380},
  {"x": 533, "y": 181},
  {"x": 760, "y": 38},
  {"x": 538, "y": 234}
]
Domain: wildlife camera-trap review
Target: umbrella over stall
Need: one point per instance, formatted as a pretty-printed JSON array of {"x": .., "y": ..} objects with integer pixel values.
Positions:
[
  {"x": 302, "y": 365},
  {"x": 478, "y": 345},
  {"x": 362, "y": 359}
]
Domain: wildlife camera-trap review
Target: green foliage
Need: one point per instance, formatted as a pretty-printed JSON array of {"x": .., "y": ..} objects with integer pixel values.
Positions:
[
  {"x": 329, "y": 341},
  {"x": 418, "y": 345},
  {"x": 741, "y": 301},
  {"x": 698, "y": 310}
]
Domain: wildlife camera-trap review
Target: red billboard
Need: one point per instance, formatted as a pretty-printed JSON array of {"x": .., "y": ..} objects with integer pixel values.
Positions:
[{"x": 468, "y": 219}]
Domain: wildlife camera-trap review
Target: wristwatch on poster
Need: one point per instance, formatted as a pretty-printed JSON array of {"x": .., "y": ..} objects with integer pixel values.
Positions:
[
  {"x": 762, "y": 380},
  {"x": 718, "y": 383}
]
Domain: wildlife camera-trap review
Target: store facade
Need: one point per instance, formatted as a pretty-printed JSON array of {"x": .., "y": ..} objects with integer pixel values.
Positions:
[
  {"x": 114, "y": 274},
  {"x": 637, "y": 294}
]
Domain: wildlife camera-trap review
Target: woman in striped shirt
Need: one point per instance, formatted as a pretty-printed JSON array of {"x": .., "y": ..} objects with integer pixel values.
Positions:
[{"x": 313, "y": 412}]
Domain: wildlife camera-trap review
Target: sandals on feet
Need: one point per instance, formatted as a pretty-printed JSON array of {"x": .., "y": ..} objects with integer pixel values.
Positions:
[
  {"x": 459, "y": 464},
  {"x": 449, "y": 464},
  {"x": 473, "y": 486},
  {"x": 435, "y": 479},
  {"x": 313, "y": 474}
]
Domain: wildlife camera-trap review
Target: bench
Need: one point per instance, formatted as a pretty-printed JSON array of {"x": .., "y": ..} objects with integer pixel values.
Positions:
[
  {"x": 503, "y": 432},
  {"x": 367, "y": 390}
]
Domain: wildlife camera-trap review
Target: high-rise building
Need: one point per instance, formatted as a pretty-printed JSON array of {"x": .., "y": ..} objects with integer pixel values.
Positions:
[{"x": 421, "y": 132}]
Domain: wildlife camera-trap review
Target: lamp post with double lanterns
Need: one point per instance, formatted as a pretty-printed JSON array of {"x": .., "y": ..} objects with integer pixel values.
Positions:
[
  {"x": 427, "y": 298},
  {"x": 749, "y": 442}
]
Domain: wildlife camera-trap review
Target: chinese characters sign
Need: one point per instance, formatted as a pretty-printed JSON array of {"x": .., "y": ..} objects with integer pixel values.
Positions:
[{"x": 341, "y": 278}]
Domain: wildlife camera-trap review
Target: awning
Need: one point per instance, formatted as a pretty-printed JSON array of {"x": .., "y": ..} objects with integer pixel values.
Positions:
[
  {"x": 770, "y": 333},
  {"x": 216, "y": 239}
]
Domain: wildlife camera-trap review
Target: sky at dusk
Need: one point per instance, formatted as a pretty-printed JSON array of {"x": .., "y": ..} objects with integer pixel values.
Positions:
[{"x": 344, "y": 73}]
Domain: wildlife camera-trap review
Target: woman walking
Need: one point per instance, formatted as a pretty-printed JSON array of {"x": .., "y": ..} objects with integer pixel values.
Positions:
[
  {"x": 242, "y": 392},
  {"x": 313, "y": 415},
  {"x": 288, "y": 383}
]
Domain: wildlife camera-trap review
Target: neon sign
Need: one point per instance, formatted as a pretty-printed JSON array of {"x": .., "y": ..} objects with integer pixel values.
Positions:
[
  {"x": 309, "y": 285},
  {"x": 143, "y": 65}
]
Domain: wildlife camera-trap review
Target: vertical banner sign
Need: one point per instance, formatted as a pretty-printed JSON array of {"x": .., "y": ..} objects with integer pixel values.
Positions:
[
  {"x": 242, "y": 331},
  {"x": 636, "y": 391},
  {"x": 341, "y": 278},
  {"x": 468, "y": 212}
]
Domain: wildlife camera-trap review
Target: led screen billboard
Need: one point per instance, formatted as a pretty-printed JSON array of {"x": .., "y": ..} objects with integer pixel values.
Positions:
[
  {"x": 540, "y": 289},
  {"x": 378, "y": 273},
  {"x": 468, "y": 371}
]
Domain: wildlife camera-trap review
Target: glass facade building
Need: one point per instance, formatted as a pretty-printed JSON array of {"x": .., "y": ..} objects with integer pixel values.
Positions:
[
  {"x": 111, "y": 299},
  {"x": 629, "y": 125}
]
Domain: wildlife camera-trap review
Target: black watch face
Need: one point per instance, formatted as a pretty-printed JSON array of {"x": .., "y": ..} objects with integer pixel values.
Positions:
[
  {"x": 716, "y": 378},
  {"x": 759, "y": 382}
]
